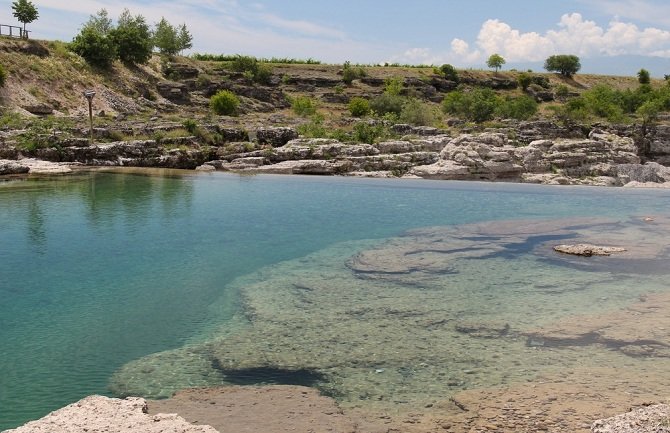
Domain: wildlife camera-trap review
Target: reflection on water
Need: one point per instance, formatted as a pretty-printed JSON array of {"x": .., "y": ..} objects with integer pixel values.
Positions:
[{"x": 203, "y": 279}]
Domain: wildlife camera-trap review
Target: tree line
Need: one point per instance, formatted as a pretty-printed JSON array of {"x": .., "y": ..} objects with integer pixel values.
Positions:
[{"x": 132, "y": 41}]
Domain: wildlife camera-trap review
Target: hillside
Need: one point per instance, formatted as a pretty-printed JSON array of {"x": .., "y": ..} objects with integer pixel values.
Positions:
[{"x": 159, "y": 114}]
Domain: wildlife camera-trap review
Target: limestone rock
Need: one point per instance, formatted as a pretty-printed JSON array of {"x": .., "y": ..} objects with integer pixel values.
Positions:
[
  {"x": 39, "y": 109},
  {"x": 12, "y": 167},
  {"x": 648, "y": 419},
  {"x": 173, "y": 92},
  {"x": 97, "y": 414},
  {"x": 276, "y": 137},
  {"x": 588, "y": 250}
]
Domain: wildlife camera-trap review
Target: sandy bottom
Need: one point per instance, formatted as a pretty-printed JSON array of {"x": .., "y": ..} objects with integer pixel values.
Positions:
[{"x": 482, "y": 327}]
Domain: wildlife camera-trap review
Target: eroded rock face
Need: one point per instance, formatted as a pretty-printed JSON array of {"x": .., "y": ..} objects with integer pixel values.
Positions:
[
  {"x": 12, "y": 167},
  {"x": 102, "y": 414},
  {"x": 276, "y": 137}
]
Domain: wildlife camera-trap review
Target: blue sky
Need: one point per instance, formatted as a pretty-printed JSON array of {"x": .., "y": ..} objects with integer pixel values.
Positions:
[{"x": 610, "y": 36}]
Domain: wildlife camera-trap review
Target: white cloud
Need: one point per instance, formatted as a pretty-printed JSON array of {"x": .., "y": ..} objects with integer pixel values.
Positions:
[
  {"x": 573, "y": 35},
  {"x": 646, "y": 11}
]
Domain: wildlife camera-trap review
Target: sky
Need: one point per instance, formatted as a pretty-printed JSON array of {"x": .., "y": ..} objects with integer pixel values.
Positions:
[{"x": 615, "y": 37}]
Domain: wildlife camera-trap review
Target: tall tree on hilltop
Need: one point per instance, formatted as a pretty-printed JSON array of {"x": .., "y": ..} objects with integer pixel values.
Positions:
[
  {"x": 132, "y": 38},
  {"x": 26, "y": 12},
  {"x": 184, "y": 38},
  {"x": 495, "y": 61}
]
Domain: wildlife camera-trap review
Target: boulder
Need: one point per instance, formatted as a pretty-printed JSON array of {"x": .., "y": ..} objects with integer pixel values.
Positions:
[
  {"x": 174, "y": 92},
  {"x": 646, "y": 419},
  {"x": 39, "y": 109},
  {"x": 276, "y": 137},
  {"x": 103, "y": 414},
  {"x": 12, "y": 167}
]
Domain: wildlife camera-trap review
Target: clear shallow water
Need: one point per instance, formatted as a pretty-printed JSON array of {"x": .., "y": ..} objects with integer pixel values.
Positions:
[{"x": 100, "y": 269}]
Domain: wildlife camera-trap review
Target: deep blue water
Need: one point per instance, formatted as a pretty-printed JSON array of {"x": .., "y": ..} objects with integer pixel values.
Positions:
[{"x": 98, "y": 268}]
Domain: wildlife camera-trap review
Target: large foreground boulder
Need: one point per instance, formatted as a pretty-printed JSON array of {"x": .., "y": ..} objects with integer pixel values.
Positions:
[{"x": 111, "y": 415}]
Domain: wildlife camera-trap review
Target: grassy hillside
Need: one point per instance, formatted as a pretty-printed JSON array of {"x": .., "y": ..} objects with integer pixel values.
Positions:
[{"x": 44, "y": 76}]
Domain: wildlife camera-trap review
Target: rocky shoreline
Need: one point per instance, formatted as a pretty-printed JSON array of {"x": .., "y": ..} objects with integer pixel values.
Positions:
[{"x": 539, "y": 152}]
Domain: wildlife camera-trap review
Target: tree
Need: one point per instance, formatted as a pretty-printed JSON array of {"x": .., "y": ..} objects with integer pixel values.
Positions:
[
  {"x": 643, "y": 77},
  {"x": 449, "y": 72},
  {"x": 565, "y": 64},
  {"x": 26, "y": 12},
  {"x": 96, "y": 48},
  {"x": 132, "y": 38},
  {"x": 100, "y": 22},
  {"x": 495, "y": 61},
  {"x": 166, "y": 38},
  {"x": 184, "y": 38}
]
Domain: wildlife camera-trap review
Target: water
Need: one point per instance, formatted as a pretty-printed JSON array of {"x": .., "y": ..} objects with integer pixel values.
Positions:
[{"x": 99, "y": 270}]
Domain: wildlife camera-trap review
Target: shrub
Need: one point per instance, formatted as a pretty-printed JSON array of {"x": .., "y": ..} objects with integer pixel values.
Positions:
[
  {"x": 95, "y": 47},
  {"x": 385, "y": 103},
  {"x": 359, "y": 107},
  {"x": 524, "y": 79},
  {"x": 314, "y": 128},
  {"x": 393, "y": 86},
  {"x": 252, "y": 69},
  {"x": 224, "y": 102},
  {"x": 565, "y": 64},
  {"x": 3, "y": 76},
  {"x": 190, "y": 125},
  {"x": 562, "y": 91},
  {"x": 365, "y": 132},
  {"x": 132, "y": 38},
  {"x": 478, "y": 105},
  {"x": 449, "y": 72},
  {"x": 520, "y": 108},
  {"x": 303, "y": 106},
  {"x": 643, "y": 76},
  {"x": 349, "y": 74},
  {"x": 417, "y": 113}
]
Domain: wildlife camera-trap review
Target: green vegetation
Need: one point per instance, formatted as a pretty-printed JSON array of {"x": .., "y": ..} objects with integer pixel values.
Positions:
[
  {"x": 303, "y": 106},
  {"x": 26, "y": 12},
  {"x": 231, "y": 57},
  {"x": 449, "y": 72},
  {"x": 643, "y": 76},
  {"x": 349, "y": 73},
  {"x": 132, "y": 38},
  {"x": 253, "y": 69},
  {"x": 3, "y": 76},
  {"x": 171, "y": 40},
  {"x": 480, "y": 105},
  {"x": 495, "y": 61},
  {"x": 359, "y": 107},
  {"x": 224, "y": 102},
  {"x": 565, "y": 64},
  {"x": 416, "y": 112}
]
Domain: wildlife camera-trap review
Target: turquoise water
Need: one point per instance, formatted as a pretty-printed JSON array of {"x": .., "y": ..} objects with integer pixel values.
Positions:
[{"x": 98, "y": 269}]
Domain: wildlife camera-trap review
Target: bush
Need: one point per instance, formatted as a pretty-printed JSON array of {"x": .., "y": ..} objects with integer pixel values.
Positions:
[
  {"x": 95, "y": 47},
  {"x": 643, "y": 76},
  {"x": 417, "y": 113},
  {"x": 252, "y": 69},
  {"x": 393, "y": 86},
  {"x": 520, "y": 108},
  {"x": 314, "y": 128},
  {"x": 449, "y": 72},
  {"x": 349, "y": 74},
  {"x": 524, "y": 79},
  {"x": 385, "y": 103},
  {"x": 224, "y": 102},
  {"x": 565, "y": 64},
  {"x": 303, "y": 106},
  {"x": 478, "y": 105},
  {"x": 367, "y": 133},
  {"x": 3, "y": 76},
  {"x": 359, "y": 107},
  {"x": 132, "y": 38}
]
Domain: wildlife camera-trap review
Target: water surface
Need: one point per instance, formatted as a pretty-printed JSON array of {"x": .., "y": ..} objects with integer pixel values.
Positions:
[{"x": 101, "y": 269}]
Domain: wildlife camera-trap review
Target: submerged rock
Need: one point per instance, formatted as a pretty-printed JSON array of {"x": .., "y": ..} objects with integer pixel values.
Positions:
[{"x": 588, "y": 250}]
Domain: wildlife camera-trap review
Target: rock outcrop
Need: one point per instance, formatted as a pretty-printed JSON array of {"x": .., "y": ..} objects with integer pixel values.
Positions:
[
  {"x": 102, "y": 414},
  {"x": 646, "y": 419}
]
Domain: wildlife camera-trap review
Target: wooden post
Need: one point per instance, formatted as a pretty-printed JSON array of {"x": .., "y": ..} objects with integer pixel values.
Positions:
[{"x": 89, "y": 94}]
